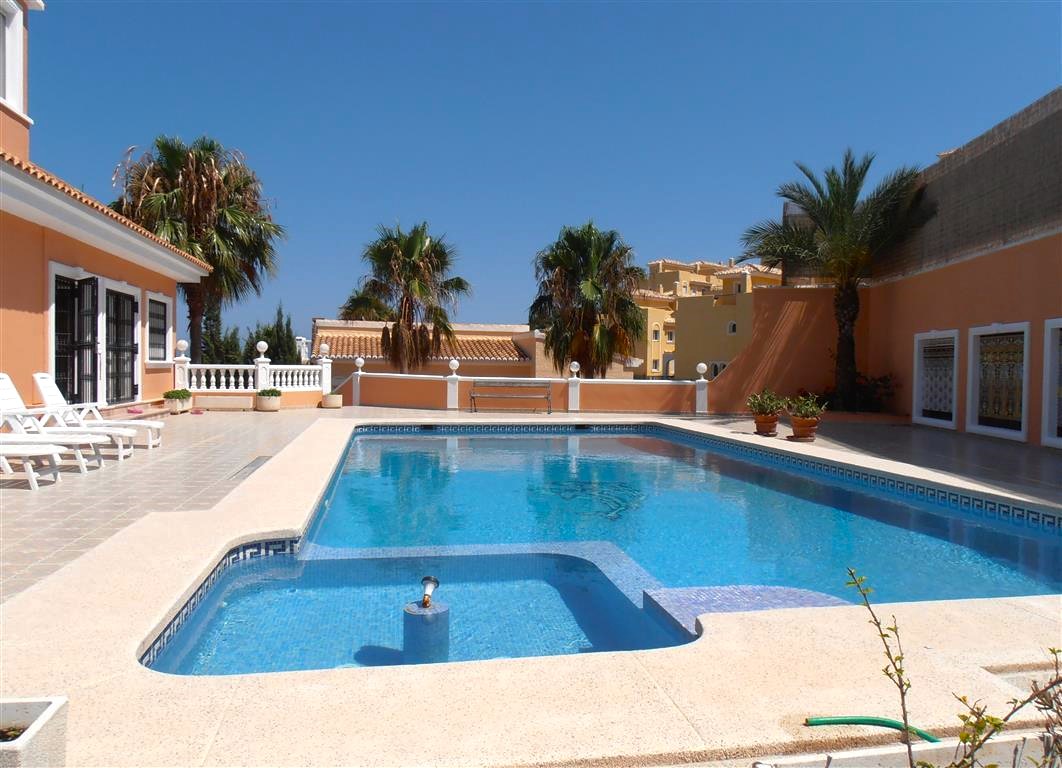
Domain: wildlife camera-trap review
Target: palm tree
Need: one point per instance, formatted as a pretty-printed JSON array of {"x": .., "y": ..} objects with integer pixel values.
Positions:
[
  {"x": 585, "y": 303},
  {"x": 409, "y": 276},
  {"x": 362, "y": 306},
  {"x": 839, "y": 233},
  {"x": 203, "y": 199}
]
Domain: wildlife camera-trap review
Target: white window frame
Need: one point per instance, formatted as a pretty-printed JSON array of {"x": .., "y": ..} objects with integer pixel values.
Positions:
[
  {"x": 655, "y": 365},
  {"x": 107, "y": 284},
  {"x": 655, "y": 335},
  {"x": 1052, "y": 329},
  {"x": 669, "y": 336},
  {"x": 916, "y": 390},
  {"x": 973, "y": 384},
  {"x": 171, "y": 340},
  {"x": 13, "y": 30}
]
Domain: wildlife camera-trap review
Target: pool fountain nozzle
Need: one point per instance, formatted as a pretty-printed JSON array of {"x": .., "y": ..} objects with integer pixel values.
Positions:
[{"x": 430, "y": 584}]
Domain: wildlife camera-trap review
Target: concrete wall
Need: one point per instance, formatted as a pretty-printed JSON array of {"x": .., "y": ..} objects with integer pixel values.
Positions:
[
  {"x": 994, "y": 191},
  {"x": 25, "y": 297}
]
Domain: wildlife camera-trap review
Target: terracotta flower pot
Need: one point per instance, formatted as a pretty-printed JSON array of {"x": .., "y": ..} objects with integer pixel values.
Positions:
[
  {"x": 804, "y": 429},
  {"x": 766, "y": 424}
]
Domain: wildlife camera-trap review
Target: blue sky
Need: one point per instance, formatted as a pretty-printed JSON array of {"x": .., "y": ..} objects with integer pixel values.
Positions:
[{"x": 500, "y": 122}]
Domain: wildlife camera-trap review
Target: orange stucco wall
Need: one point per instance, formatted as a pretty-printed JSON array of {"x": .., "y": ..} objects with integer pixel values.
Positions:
[
  {"x": 558, "y": 399},
  {"x": 791, "y": 348},
  {"x": 25, "y": 252},
  {"x": 394, "y": 392},
  {"x": 794, "y": 333},
  {"x": 1018, "y": 284},
  {"x": 636, "y": 397}
]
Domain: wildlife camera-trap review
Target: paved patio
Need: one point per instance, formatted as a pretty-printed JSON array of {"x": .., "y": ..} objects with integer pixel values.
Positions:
[{"x": 204, "y": 457}]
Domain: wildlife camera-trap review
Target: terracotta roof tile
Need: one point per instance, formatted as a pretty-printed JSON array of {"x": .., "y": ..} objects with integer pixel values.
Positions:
[
  {"x": 366, "y": 344},
  {"x": 55, "y": 182}
]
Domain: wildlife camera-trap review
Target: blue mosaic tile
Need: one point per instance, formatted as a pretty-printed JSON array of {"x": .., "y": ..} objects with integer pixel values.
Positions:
[
  {"x": 256, "y": 549},
  {"x": 682, "y": 605}
]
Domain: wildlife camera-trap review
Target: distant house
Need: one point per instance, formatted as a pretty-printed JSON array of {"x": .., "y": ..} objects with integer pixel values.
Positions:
[
  {"x": 657, "y": 295},
  {"x": 85, "y": 294},
  {"x": 714, "y": 328},
  {"x": 482, "y": 349}
]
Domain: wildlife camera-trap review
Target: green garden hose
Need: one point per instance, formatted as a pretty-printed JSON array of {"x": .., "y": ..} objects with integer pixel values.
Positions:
[{"x": 881, "y": 722}]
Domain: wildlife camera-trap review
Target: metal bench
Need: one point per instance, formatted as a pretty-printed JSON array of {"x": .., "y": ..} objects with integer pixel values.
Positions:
[{"x": 480, "y": 389}]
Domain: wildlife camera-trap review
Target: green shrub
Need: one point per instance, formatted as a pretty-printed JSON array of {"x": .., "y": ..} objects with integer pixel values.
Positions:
[
  {"x": 765, "y": 403},
  {"x": 177, "y": 394},
  {"x": 269, "y": 393},
  {"x": 805, "y": 406}
]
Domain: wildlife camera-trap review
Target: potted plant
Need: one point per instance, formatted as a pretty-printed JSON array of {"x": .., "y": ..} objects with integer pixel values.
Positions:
[
  {"x": 267, "y": 400},
  {"x": 177, "y": 400},
  {"x": 765, "y": 407},
  {"x": 33, "y": 731},
  {"x": 805, "y": 413},
  {"x": 332, "y": 400}
]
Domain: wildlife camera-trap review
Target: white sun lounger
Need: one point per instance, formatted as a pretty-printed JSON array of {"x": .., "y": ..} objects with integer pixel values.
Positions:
[
  {"x": 70, "y": 443},
  {"x": 26, "y": 454},
  {"x": 14, "y": 410},
  {"x": 88, "y": 414}
]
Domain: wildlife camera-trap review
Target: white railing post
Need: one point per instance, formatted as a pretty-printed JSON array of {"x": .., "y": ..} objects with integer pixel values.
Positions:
[
  {"x": 180, "y": 366},
  {"x": 358, "y": 363},
  {"x": 452, "y": 388},
  {"x": 702, "y": 389},
  {"x": 261, "y": 368},
  {"x": 573, "y": 388},
  {"x": 326, "y": 369}
]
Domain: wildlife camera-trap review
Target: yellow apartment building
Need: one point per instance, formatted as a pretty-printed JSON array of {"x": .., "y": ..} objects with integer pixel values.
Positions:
[
  {"x": 667, "y": 281},
  {"x": 713, "y": 328}
]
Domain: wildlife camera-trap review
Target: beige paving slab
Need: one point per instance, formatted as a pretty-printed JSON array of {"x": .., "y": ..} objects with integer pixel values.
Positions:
[{"x": 746, "y": 685}]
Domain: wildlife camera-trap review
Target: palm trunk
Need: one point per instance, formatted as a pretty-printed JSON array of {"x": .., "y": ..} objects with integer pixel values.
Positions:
[
  {"x": 846, "y": 310},
  {"x": 193, "y": 294}
]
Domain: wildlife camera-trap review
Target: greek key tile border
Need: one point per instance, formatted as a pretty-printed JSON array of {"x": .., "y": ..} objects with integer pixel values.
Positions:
[
  {"x": 992, "y": 510},
  {"x": 251, "y": 551}
]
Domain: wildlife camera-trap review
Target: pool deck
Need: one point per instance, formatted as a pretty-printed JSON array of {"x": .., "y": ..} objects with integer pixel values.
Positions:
[{"x": 741, "y": 689}]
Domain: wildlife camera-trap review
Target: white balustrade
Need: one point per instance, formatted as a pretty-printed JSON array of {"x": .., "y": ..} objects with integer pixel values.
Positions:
[
  {"x": 217, "y": 377},
  {"x": 295, "y": 378}
]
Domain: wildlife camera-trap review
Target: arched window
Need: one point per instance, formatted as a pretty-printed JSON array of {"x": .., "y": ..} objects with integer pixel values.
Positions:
[{"x": 731, "y": 328}]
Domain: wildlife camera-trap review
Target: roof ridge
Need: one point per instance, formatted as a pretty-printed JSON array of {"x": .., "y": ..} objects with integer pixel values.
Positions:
[{"x": 68, "y": 189}]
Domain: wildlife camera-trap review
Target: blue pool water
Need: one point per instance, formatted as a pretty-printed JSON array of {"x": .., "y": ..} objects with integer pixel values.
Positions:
[
  {"x": 280, "y": 613},
  {"x": 687, "y": 516}
]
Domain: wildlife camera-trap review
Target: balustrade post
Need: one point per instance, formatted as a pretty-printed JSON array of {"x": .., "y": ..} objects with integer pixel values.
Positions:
[
  {"x": 180, "y": 366},
  {"x": 452, "y": 386},
  {"x": 326, "y": 369},
  {"x": 702, "y": 389},
  {"x": 573, "y": 387},
  {"x": 261, "y": 368},
  {"x": 358, "y": 363}
]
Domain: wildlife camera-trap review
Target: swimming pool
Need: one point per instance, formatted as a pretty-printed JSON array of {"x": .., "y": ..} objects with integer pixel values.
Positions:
[{"x": 655, "y": 511}]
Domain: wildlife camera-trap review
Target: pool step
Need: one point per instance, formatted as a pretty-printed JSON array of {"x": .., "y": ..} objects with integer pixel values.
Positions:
[{"x": 682, "y": 605}]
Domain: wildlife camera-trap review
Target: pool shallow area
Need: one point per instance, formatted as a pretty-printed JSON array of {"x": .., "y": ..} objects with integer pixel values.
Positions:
[
  {"x": 280, "y": 613},
  {"x": 680, "y": 514}
]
